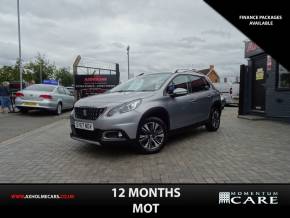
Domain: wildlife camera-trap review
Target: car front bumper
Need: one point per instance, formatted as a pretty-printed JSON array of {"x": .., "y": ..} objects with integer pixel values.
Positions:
[
  {"x": 97, "y": 137},
  {"x": 124, "y": 124}
]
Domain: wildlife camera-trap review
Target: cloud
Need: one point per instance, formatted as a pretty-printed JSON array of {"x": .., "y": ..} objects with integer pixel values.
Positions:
[
  {"x": 163, "y": 35},
  {"x": 220, "y": 33},
  {"x": 193, "y": 39},
  {"x": 118, "y": 45}
]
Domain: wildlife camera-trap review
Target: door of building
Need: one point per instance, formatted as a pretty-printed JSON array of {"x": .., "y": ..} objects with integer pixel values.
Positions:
[{"x": 258, "y": 83}]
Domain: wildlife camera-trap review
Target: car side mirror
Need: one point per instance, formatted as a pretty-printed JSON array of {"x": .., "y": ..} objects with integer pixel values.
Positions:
[{"x": 179, "y": 92}]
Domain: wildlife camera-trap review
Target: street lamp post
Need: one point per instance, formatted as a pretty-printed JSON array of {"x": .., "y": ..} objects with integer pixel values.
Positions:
[
  {"x": 19, "y": 44},
  {"x": 128, "y": 51}
]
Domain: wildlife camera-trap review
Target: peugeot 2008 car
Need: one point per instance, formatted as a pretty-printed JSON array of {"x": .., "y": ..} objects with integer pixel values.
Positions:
[{"x": 144, "y": 109}]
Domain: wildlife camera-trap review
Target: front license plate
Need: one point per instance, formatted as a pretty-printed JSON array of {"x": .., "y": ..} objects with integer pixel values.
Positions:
[
  {"x": 31, "y": 104},
  {"x": 84, "y": 125}
]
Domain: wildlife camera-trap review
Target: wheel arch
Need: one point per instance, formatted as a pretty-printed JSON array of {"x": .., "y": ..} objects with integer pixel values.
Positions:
[
  {"x": 217, "y": 104},
  {"x": 59, "y": 101},
  {"x": 159, "y": 112}
]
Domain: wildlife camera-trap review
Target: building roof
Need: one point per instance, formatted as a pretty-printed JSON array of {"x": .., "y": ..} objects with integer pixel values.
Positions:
[
  {"x": 207, "y": 71},
  {"x": 204, "y": 71}
]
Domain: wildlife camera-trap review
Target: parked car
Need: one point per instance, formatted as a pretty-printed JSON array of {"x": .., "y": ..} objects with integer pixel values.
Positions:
[
  {"x": 145, "y": 109},
  {"x": 44, "y": 97},
  {"x": 230, "y": 92},
  {"x": 71, "y": 89}
]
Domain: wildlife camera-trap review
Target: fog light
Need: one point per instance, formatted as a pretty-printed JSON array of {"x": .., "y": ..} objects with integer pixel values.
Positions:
[{"x": 113, "y": 135}]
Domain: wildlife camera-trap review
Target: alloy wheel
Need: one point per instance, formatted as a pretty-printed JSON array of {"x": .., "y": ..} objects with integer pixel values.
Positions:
[
  {"x": 215, "y": 119},
  {"x": 151, "y": 135},
  {"x": 59, "y": 109}
]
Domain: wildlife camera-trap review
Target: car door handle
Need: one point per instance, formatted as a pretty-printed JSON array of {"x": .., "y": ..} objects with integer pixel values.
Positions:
[
  {"x": 209, "y": 96},
  {"x": 193, "y": 100}
]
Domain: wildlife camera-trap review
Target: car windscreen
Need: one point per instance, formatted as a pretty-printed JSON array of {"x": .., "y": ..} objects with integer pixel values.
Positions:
[
  {"x": 41, "y": 88},
  {"x": 151, "y": 82}
]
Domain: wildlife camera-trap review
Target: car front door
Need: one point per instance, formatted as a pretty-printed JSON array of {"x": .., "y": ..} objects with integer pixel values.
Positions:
[
  {"x": 201, "y": 94},
  {"x": 180, "y": 107}
]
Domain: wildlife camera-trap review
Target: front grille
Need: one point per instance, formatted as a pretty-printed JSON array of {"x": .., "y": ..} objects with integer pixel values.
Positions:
[
  {"x": 88, "y": 113},
  {"x": 89, "y": 135}
]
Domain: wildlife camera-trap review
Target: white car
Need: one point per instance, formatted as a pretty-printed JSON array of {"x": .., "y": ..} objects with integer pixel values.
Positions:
[
  {"x": 44, "y": 97},
  {"x": 230, "y": 92}
]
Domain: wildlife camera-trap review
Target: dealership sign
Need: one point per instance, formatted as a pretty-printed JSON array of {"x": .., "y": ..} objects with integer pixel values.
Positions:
[
  {"x": 252, "y": 49},
  {"x": 50, "y": 82},
  {"x": 95, "y": 81}
]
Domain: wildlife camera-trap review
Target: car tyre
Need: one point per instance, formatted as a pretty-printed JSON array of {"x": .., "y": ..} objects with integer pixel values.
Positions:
[
  {"x": 23, "y": 110},
  {"x": 58, "y": 109},
  {"x": 213, "y": 122},
  {"x": 151, "y": 136}
]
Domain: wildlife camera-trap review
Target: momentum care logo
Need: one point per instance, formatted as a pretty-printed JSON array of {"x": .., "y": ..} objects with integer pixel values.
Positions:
[{"x": 248, "y": 198}]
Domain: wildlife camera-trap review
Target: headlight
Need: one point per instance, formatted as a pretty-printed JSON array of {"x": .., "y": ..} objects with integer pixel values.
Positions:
[{"x": 129, "y": 106}]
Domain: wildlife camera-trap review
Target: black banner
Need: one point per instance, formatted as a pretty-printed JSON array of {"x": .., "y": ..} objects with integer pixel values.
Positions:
[
  {"x": 264, "y": 22},
  {"x": 96, "y": 81},
  {"x": 157, "y": 199}
]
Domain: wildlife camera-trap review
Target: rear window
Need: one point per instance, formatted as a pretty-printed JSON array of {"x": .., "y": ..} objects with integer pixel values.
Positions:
[{"x": 42, "y": 88}]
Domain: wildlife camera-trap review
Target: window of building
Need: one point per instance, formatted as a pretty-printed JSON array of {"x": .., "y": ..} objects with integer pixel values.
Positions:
[{"x": 283, "y": 78}]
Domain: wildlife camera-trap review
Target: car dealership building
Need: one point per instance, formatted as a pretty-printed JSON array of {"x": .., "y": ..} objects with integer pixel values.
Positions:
[{"x": 264, "y": 85}]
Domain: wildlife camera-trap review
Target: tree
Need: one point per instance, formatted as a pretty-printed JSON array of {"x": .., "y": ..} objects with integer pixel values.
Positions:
[
  {"x": 38, "y": 70},
  {"x": 8, "y": 73},
  {"x": 41, "y": 69},
  {"x": 64, "y": 76}
]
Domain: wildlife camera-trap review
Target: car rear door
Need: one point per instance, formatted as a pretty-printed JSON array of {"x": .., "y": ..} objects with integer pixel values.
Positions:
[
  {"x": 201, "y": 97},
  {"x": 66, "y": 98},
  {"x": 62, "y": 96},
  {"x": 70, "y": 98}
]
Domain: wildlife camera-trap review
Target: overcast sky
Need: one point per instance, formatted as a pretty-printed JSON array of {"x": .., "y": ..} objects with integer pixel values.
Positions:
[{"x": 163, "y": 34}]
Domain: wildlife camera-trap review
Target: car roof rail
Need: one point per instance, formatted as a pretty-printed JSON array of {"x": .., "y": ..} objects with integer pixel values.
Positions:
[{"x": 185, "y": 70}]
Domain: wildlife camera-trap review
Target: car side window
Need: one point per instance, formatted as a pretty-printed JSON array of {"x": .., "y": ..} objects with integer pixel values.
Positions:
[
  {"x": 198, "y": 83},
  {"x": 67, "y": 92},
  {"x": 207, "y": 84},
  {"x": 180, "y": 81},
  {"x": 60, "y": 90}
]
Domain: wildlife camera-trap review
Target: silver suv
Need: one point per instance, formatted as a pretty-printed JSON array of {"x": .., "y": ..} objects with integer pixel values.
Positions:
[{"x": 144, "y": 109}]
